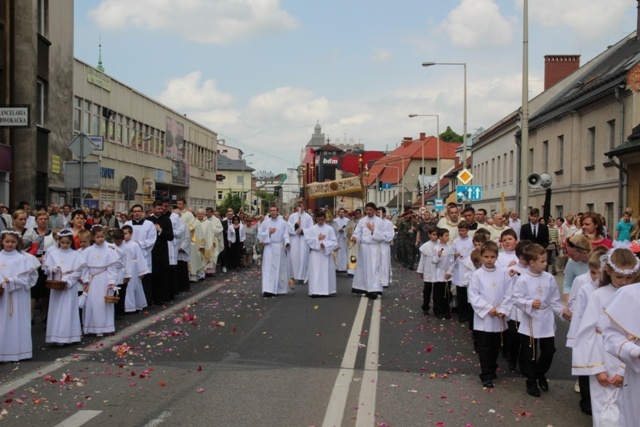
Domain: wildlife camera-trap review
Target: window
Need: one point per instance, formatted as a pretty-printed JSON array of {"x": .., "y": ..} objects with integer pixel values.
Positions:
[
  {"x": 592, "y": 146},
  {"x": 545, "y": 156},
  {"x": 77, "y": 114},
  {"x": 611, "y": 127},
  {"x": 240, "y": 179},
  {"x": 220, "y": 195},
  {"x": 530, "y": 160},
  {"x": 504, "y": 169},
  {"x": 95, "y": 123},
  {"x": 119, "y": 128},
  {"x": 559, "y": 211},
  {"x": 511, "y": 166},
  {"x": 41, "y": 106},
  {"x": 493, "y": 169},
  {"x": 86, "y": 123},
  {"x": 561, "y": 152},
  {"x": 498, "y": 172},
  {"x": 608, "y": 215},
  {"x": 590, "y": 207},
  {"x": 434, "y": 171}
]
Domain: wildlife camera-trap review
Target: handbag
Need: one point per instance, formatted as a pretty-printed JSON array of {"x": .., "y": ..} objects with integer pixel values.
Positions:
[{"x": 610, "y": 413}]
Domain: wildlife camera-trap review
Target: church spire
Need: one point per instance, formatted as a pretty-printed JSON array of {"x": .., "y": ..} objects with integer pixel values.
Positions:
[{"x": 100, "y": 67}]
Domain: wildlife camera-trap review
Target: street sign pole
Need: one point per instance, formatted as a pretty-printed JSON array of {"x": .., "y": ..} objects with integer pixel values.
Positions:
[{"x": 82, "y": 146}]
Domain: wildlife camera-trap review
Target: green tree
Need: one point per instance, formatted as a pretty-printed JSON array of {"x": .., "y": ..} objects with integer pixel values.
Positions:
[
  {"x": 232, "y": 201},
  {"x": 450, "y": 136},
  {"x": 265, "y": 200}
]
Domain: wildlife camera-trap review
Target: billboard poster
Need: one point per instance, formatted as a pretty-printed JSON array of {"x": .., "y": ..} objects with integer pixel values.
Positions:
[
  {"x": 179, "y": 173},
  {"x": 174, "y": 136}
]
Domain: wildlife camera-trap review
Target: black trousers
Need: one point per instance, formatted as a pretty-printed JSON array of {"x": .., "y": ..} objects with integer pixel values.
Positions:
[
  {"x": 464, "y": 308},
  {"x": 426, "y": 295},
  {"x": 512, "y": 342},
  {"x": 122, "y": 293},
  {"x": 488, "y": 350},
  {"x": 536, "y": 356},
  {"x": 441, "y": 298},
  {"x": 585, "y": 393},
  {"x": 183, "y": 276}
]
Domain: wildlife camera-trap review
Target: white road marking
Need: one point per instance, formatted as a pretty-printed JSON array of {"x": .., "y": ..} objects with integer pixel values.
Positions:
[
  {"x": 367, "y": 399},
  {"x": 161, "y": 418},
  {"x": 338, "y": 400},
  {"x": 79, "y": 418}
]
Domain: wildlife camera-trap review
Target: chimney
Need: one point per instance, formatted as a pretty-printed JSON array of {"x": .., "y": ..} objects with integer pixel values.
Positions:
[
  {"x": 423, "y": 135},
  {"x": 557, "y": 67}
]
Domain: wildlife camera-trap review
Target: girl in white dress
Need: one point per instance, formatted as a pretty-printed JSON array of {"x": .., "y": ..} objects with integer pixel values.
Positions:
[
  {"x": 99, "y": 276},
  {"x": 17, "y": 276},
  {"x": 66, "y": 265}
]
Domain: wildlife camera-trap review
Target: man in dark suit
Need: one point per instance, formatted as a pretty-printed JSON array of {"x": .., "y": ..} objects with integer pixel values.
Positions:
[
  {"x": 161, "y": 270},
  {"x": 534, "y": 231}
]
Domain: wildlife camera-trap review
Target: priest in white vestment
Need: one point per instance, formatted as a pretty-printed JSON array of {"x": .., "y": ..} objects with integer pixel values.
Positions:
[
  {"x": 322, "y": 241},
  {"x": 204, "y": 241},
  {"x": 369, "y": 233},
  {"x": 218, "y": 229},
  {"x": 298, "y": 223},
  {"x": 273, "y": 233},
  {"x": 340, "y": 228},
  {"x": 388, "y": 233}
]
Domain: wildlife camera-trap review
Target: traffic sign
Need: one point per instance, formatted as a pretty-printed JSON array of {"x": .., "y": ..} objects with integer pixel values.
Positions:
[
  {"x": 438, "y": 204},
  {"x": 81, "y": 146},
  {"x": 472, "y": 193},
  {"x": 464, "y": 176},
  {"x": 423, "y": 209},
  {"x": 97, "y": 141},
  {"x": 386, "y": 185}
]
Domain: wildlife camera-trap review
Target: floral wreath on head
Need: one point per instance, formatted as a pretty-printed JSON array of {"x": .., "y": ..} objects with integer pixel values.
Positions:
[
  {"x": 606, "y": 259},
  {"x": 65, "y": 232},
  {"x": 12, "y": 232}
]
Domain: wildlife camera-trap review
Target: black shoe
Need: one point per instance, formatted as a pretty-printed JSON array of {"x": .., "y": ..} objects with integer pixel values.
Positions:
[
  {"x": 487, "y": 384},
  {"x": 512, "y": 366},
  {"x": 447, "y": 316},
  {"x": 533, "y": 390},
  {"x": 543, "y": 384},
  {"x": 268, "y": 294},
  {"x": 425, "y": 312},
  {"x": 372, "y": 295}
]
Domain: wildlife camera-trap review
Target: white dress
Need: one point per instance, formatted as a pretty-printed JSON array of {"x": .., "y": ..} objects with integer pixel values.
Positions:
[
  {"x": 275, "y": 266},
  {"x": 63, "y": 320},
  {"x": 299, "y": 252},
  {"x": 137, "y": 266},
  {"x": 322, "y": 272},
  {"x": 584, "y": 287},
  {"x": 589, "y": 357},
  {"x": 15, "y": 306},
  {"x": 101, "y": 270},
  {"x": 621, "y": 333}
]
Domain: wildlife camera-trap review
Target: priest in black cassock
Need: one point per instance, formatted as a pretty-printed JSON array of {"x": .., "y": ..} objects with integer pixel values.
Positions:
[{"x": 161, "y": 273}]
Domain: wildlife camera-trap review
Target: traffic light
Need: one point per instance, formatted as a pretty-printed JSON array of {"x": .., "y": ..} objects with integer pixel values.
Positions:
[{"x": 380, "y": 185}]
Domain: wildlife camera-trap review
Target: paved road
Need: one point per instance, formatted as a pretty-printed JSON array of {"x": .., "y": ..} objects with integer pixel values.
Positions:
[{"x": 225, "y": 356}]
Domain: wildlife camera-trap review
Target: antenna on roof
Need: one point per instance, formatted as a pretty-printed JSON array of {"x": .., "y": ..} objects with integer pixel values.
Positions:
[{"x": 100, "y": 67}]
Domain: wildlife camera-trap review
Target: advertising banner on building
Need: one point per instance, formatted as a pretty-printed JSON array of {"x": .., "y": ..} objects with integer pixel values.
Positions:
[
  {"x": 148, "y": 190},
  {"x": 174, "y": 136}
]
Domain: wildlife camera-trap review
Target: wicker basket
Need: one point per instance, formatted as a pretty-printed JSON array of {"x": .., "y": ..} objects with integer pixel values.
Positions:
[
  {"x": 111, "y": 299},
  {"x": 57, "y": 285}
]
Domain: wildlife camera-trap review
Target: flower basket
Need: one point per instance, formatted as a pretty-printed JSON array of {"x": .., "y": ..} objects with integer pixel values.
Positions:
[
  {"x": 57, "y": 285},
  {"x": 111, "y": 299}
]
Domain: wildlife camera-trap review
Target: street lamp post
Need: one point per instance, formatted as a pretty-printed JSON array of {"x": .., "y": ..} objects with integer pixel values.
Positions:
[
  {"x": 437, "y": 116},
  {"x": 464, "y": 113},
  {"x": 243, "y": 157}
]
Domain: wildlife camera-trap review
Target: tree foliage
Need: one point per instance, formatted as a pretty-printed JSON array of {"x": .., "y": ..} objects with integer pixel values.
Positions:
[
  {"x": 450, "y": 136},
  {"x": 232, "y": 201}
]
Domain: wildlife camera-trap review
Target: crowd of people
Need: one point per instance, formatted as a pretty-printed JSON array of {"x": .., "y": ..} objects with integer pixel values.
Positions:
[{"x": 495, "y": 272}]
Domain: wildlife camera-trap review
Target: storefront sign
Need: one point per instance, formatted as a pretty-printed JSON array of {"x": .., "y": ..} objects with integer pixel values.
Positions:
[{"x": 14, "y": 116}]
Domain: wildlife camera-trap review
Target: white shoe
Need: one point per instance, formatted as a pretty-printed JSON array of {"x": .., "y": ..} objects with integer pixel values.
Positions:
[
  {"x": 224, "y": 269},
  {"x": 576, "y": 387}
]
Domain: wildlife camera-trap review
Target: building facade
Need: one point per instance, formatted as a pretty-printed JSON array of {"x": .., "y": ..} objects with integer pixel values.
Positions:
[
  {"x": 149, "y": 150},
  {"x": 36, "y": 67}
]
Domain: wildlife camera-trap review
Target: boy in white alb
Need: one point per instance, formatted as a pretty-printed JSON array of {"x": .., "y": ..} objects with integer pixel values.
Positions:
[
  {"x": 461, "y": 248},
  {"x": 509, "y": 260},
  {"x": 536, "y": 294},
  {"x": 442, "y": 256},
  {"x": 426, "y": 268},
  {"x": 489, "y": 298}
]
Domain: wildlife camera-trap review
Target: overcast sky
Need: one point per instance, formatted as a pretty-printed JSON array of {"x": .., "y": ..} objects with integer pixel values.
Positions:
[{"x": 262, "y": 73}]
